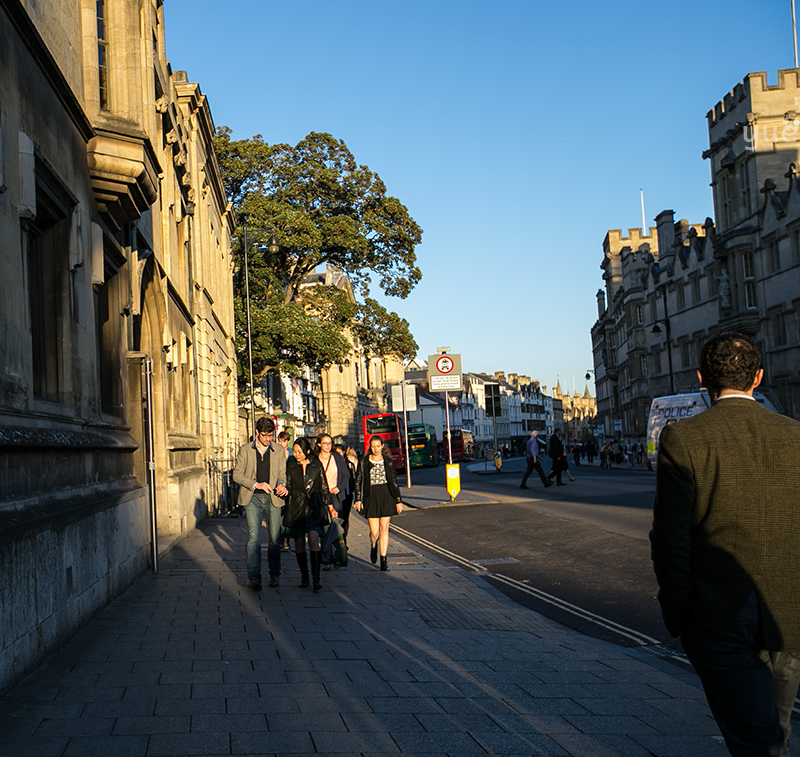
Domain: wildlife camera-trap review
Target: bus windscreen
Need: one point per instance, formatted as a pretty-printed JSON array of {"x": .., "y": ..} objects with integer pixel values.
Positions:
[{"x": 381, "y": 425}]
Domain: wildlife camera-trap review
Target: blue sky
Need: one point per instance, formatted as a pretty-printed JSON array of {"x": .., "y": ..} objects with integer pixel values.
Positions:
[{"x": 516, "y": 132}]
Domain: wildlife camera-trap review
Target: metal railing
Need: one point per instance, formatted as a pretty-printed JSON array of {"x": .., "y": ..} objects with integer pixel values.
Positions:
[{"x": 221, "y": 489}]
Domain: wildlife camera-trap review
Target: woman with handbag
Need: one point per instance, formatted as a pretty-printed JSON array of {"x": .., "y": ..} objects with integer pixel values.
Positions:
[
  {"x": 306, "y": 509},
  {"x": 377, "y": 497},
  {"x": 336, "y": 476}
]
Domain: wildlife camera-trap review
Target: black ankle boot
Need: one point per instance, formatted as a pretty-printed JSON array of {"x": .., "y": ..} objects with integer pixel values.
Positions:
[
  {"x": 384, "y": 564},
  {"x": 316, "y": 564},
  {"x": 373, "y": 553},
  {"x": 302, "y": 563}
]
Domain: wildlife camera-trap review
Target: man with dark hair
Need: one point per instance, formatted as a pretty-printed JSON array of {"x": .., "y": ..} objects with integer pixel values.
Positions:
[
  {"x": 556, "y": 452},
  {"x": 260, "y": 471},
  {"x": 726, "y": 549}
]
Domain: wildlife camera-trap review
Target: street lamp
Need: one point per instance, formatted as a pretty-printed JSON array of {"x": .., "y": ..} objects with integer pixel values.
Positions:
[
  {"x": 656, "y": 331},
  {"x": 274, "y": 248}
]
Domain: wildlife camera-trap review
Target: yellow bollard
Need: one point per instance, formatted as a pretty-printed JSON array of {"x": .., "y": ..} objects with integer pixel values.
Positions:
[{"x": 453, "y": 480}]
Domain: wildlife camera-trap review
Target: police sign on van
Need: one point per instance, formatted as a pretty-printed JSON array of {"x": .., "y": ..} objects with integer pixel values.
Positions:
[{"x": 676, "y": 407}]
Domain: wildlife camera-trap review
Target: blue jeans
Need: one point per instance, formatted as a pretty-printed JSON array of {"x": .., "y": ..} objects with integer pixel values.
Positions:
[
  {"x": 750, "y": 690},
  {"x": 260, "y": 507}
]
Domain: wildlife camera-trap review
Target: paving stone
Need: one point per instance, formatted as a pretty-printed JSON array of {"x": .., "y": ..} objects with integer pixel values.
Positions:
[
  {"x": 682, "y": 745},
  {"x": 452, "y": 742},
  {"x": 152, "y": 724},
  {"x": 228, "y": 722},
  {"x": 374, "y": 741},
  {"x": 605, "y": 746},
  {"x": 360, "y": 722},
  {"x": 272, "y": 742},
  {"x": 321, "y": 721},
  {"x": 592, "y": 724},
  {"x": 263, "y": 705},
  {"x": 16, "y": 746},
  {"x": 107, "y": 746},
  {"x": 510, "y": 743},
  {"x": 207, "y": 705},
  {"x": 189, "y": 744},
  {"x": 84, "y": 726}
]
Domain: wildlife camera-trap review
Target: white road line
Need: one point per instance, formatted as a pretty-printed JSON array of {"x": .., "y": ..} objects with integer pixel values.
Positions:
[{"x": 610, "y": 625}]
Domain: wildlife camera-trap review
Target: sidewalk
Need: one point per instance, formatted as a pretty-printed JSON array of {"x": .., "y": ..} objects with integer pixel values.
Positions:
[{"x": 425, "y": 660}]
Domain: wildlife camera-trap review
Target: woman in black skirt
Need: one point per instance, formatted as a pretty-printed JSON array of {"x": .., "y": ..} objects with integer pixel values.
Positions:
[
  {"x": 377, "y": 497},
  {"x": 305, "y": 511}
]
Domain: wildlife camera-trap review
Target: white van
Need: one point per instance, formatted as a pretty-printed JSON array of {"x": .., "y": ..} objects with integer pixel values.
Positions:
[{"x": 676, "y": 407}]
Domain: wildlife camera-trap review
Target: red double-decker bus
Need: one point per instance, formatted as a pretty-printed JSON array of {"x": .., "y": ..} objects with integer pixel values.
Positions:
[
  {"x": 389, "y": 427},
  {"x": 462, "y": 444}
]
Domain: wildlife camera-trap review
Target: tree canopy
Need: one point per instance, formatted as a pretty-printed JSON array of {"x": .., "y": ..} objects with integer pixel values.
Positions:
[{"x": 324, "y": 208}]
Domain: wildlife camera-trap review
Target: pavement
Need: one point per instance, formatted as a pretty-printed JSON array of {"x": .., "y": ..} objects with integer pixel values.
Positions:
[{"x": 427, "y": 659}]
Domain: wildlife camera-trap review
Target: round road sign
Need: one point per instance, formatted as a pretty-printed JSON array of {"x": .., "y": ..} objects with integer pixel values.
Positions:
[{"x": 444, "y": 364}]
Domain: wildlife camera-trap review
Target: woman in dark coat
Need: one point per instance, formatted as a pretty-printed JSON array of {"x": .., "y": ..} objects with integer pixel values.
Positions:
[
  {"x": 377, "y": 497},
  {"x": 305, "y": 511}
]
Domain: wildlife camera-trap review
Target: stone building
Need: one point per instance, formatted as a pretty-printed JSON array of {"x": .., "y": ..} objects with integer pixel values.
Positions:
[
  {"x": 578, "y": 414},
  {"x": 754, "y": 155},
  {"x": 118, "y": 380},
  {"x": 666, "y": 293}
]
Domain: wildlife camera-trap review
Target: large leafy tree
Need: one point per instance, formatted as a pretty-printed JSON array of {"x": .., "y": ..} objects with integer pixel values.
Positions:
[{"x": 324, "y": 208}]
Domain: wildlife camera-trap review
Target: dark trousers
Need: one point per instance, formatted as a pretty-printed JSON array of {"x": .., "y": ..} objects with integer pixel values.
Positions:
[
  {"x": 750, "y": 690},
  {"x": 556, "y": 469},
  {"x": 531, "y": 466}
]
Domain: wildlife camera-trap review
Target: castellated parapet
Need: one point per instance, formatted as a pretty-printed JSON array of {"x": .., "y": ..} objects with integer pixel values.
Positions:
[
  {"x": 755, "y": 95},
  {"x": 614, "y": 240}
]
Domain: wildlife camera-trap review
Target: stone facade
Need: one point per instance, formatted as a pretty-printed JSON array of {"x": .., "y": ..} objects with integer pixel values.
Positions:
[
  {"x": 689, "y": 281},
  {"x": 578, "y": 414},
  {"x": 754, "y": 138},
  {"x": 117, "y": 314}
]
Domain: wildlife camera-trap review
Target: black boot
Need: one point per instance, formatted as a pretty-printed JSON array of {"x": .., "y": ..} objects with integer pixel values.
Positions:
[
  {"x": 302, "y": 563},
  {"x": 316, "y": 564},
  {"x": 384, "y": 564},
  {"x": 373, "y": 553}
]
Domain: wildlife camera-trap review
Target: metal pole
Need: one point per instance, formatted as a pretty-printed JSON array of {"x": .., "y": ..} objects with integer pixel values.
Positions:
[
  {"x": 405, "y": 424},
  {"x": 449, "y": 435},
  {"x": 644, "y": 223},
  {"x": 794, "y": 34},
  {"x": 494, "y": 429},
  {"x": 669, "y": 343},
  {"x": 252, "y": 417},
  {"x": 151, "y": 462}
]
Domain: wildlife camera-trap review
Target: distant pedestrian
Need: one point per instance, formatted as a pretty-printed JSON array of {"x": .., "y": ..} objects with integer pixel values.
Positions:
[
  {"x": 260, "y": 471},
  {"x": 306, "y": 515},
  {"x": 533, "y": 461},
  {"x": 639, "y": 452},
  {"x": 377, "y": 497},
  {"x": 284, "y": 440},
  {"x": 555, "y": 450},
  {"x": 726, "y": 549}
]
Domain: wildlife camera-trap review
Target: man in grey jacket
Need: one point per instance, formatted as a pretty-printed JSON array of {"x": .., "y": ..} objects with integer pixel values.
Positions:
[
  {"x": 260, "y": 472},
  {"x": 726, "y": 549}
]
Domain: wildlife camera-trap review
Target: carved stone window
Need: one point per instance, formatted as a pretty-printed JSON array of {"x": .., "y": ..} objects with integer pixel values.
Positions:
[
  {"x": 102, "y": 53},
  {"x": 748, "y": 273}
]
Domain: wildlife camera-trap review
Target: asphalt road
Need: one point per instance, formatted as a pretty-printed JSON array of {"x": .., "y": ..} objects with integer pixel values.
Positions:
[{"x": 584, "y": 544}]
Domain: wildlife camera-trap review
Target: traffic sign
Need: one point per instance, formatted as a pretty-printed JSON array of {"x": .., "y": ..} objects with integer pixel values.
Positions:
[{"x": 444, "y": 373}]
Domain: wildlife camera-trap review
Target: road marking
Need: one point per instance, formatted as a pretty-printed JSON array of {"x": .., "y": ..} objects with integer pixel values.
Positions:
[{"x": 640, "y": 639}]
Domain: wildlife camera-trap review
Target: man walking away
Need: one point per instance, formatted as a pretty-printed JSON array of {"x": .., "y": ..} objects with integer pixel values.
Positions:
[
  {"x": 556, "y": 452},
  {"x": 726, "y": 549},
  {"x": 533, "y": 461}
]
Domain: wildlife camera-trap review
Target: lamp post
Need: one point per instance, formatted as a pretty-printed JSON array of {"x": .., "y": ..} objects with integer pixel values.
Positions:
[
  {"x": 656, "y": 331},
  {"x": 274, "y": 248}
]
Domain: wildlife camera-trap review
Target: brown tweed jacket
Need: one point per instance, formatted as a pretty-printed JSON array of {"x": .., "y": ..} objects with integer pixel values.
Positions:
[{"x": 726, "y": 520}]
